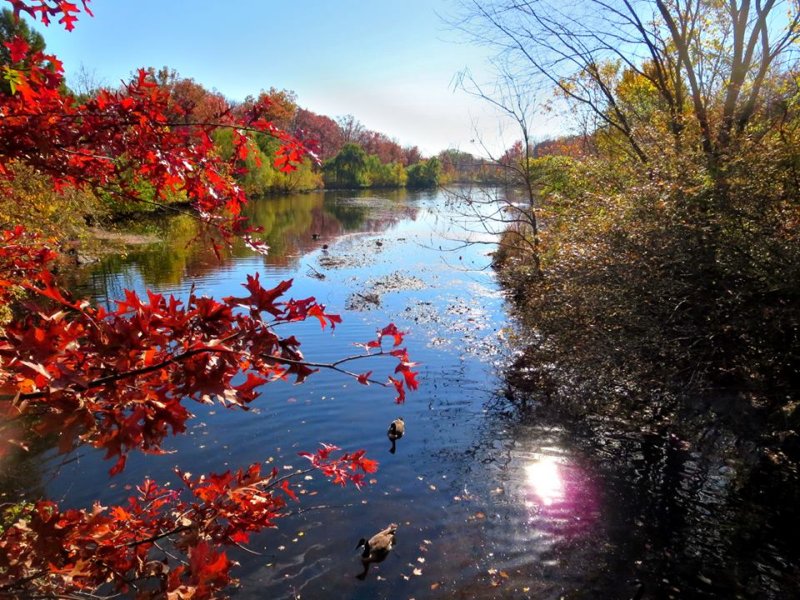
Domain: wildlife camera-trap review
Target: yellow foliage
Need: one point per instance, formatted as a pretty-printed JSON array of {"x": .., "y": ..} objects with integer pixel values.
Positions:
[{"x": 30, "y": 200}]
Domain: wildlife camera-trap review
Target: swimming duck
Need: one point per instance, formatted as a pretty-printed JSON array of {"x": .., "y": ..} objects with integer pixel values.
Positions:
[
  {"x": 377, "y": 548},
  {"x": 396, "y": 431}
]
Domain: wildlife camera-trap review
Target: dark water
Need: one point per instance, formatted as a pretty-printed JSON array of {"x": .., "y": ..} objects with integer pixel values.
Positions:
[{"x": 491, "y": 501}]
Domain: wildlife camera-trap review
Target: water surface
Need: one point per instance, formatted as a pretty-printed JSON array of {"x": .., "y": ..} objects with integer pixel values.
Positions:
[{"x": 491, "y": 501}]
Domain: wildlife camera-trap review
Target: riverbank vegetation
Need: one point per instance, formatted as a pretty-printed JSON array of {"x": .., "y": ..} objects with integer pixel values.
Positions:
[{"x": 667, "y": 258}]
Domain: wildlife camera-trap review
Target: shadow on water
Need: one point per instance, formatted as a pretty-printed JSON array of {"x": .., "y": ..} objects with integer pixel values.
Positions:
[{"x": 492, "y": 499}]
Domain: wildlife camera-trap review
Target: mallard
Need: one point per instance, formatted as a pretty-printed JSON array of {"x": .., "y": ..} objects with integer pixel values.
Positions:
[
  {"x": 377, "y": 548},
  {"x": 396, "y": 431}
]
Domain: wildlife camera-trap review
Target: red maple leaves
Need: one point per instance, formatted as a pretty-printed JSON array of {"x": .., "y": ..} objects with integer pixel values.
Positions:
[
  {"x": 20, "y": 259},
  {"x": 120, "y": 139},
  {"x": 343, "y": 469},
  {"x": 45, "y": 10},
  {"x": 118, "y": 546},
  {"x": 120, "y": 380},
  {"x": 18, "y": 49},
  {"x": 404, "y": 366}
]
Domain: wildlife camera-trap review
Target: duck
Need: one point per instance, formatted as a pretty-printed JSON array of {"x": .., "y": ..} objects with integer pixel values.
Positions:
[
  {"x": 377, "y": 548},
  {"x": 396, "y": 430}
]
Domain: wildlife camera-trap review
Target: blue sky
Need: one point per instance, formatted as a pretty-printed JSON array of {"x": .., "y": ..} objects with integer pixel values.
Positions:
[{"x": 389, "y": 63}]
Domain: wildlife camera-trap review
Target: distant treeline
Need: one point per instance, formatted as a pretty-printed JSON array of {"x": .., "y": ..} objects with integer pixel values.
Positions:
[
  {"x": 348, "y": 155},
  {"x": 463, "y": 167}
]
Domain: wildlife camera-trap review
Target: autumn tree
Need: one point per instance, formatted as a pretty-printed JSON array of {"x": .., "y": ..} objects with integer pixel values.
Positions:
[
  {"x": 351, "y": 128},
  {"x": 122, "y": 380},
  {"x": 411, "y": 155},
  {"x": 664, "y": 235},
  {"x": 669, "y": 85},
  {"x": 324, "y": 130},
  {"x": 708, "y": 66},
  {"x": 574, "y": 146},
  {"x": 192, "y": 102},
  {"x": 379, "y": 144},
  {"x": 282, "y": 106},
  {"x": 10, "y": 28}
]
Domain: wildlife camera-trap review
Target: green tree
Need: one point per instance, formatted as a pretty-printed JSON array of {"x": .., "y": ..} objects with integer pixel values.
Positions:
[
  {"x": 348, "y": 168},
  {"x": 385, "y": 175},
  {"x": 259, "y": 173},
  {"x": 424, "y": 174}
]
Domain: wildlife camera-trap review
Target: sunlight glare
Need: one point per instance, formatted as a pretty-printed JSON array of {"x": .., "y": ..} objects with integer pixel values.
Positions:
[{"x": 544, "y": 477}]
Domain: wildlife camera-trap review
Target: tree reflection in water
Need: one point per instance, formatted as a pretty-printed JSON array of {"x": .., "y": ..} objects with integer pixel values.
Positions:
[{"x": 291, "y": 226}]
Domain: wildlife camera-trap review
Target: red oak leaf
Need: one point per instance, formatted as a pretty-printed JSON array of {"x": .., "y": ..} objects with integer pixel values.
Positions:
[{"x": 18, "y": 48}]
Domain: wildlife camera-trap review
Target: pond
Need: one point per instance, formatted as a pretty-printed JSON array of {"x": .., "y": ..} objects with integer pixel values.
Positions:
[{"x": 490, "y": 501}]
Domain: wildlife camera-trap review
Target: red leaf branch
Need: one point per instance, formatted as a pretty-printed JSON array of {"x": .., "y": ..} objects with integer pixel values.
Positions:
[{"x": 46, "y": 550}]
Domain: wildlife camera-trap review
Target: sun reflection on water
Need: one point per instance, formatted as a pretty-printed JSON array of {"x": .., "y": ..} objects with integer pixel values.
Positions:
[{"x": 546, "y": 480}]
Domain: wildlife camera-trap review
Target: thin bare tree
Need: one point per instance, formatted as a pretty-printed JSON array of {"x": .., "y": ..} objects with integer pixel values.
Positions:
[
  {"x": 499, "y": 210},
  {"x": 708, "y": 60}
]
